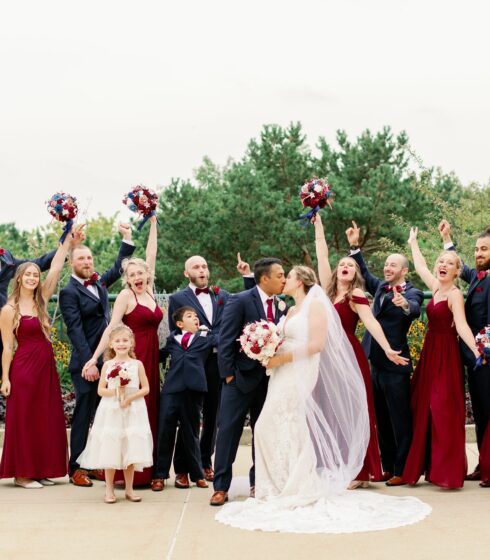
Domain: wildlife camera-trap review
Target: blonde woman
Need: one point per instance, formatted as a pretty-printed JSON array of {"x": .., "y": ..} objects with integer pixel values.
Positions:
[
  {"x": 136, "y": 307},
  {"x": 437, "y": 396},
  {"x": 35, "y": 447}
]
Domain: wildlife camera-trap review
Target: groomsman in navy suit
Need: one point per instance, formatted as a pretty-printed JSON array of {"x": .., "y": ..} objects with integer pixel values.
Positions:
[
  {"x": 396, "y": 304},
  {"x": 209, "y": 302},
  {"x": 477, "y": 308},
  {"x": 84, "y": 304},
  {"x": 8, "y": 266},
  {"x": 245, "y": 386}
]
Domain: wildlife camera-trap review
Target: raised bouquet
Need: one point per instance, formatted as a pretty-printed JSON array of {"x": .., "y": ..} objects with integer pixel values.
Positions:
[
  {"x": 482, "y": 340},
  {"x": 260, "y": 340},
  {"x": 315, "y": 194},
  {"x": 143, "y": 201},
  {"x": 63, "y": 207}
]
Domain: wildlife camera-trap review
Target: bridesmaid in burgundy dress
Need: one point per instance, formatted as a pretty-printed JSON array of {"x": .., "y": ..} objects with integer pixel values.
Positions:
[
  {"x": 35, "y": 447},
  {"x": 345, "y": 288},
  {"x": 437, "y": 386},
  {"x": 136, "y": 307}
]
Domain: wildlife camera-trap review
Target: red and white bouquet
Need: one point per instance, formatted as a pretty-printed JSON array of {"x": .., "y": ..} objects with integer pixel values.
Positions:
[
  {"x": 315, "y": 194},
  {"x": 120, "y": 372},
  {"x": 482, "y": 340},
  {"x": 143, "y": 201},
  {"x": 63, "y": 207},
  {"x": 260, "y": 340}
]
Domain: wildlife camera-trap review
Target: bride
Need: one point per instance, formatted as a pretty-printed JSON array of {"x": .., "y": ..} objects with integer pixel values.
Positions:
[{"x": 312, "y": 433}]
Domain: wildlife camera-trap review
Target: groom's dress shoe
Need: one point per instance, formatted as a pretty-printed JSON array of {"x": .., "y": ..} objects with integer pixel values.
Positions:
[
  {"x": 182, "y": 481},
  {"x": 80, "y": 478},
  {"x": 395, "y": 481},
  {"x": 218, "y": 498},
  {"x": 475, "y": 475}
]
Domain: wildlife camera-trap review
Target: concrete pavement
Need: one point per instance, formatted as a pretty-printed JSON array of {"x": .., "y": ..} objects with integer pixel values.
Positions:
[{"x": 65, "y": 522}]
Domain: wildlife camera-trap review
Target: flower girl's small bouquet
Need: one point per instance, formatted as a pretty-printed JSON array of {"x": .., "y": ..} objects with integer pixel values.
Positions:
[
  {"x": 119, "y": 371},
  {"x": 482, "y": 340},
  {"x": 260, "y": 340}
]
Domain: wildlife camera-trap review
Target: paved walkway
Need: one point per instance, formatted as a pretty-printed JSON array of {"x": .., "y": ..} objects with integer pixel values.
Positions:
[{"x": 65, "y": 522}]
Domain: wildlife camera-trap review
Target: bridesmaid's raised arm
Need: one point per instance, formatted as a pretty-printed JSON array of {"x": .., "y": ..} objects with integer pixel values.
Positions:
[
  {"x": 324, "y": 270},
  {"x": 419, "y": 262},
  {"x": 151, "y": 248}
]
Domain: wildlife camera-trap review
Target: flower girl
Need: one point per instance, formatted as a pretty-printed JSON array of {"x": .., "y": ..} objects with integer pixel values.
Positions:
[{"x": 120, "y": 437}]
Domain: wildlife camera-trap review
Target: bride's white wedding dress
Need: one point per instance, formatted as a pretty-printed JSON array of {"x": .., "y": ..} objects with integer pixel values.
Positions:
[{"x": 310, "y": 442}]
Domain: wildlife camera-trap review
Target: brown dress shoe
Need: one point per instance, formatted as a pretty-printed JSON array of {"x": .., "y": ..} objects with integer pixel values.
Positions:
[
  {"x": 475, "y": 475},
  {"x": 209, "y": 474},
  {"x": 157, "y": 484},
  {"x": 182, "y": 481},
  {"x": 485, "y": 483},
  {"x": 218, "y": 498},
  {"x": 80, "y": 478},
  {"x": 386, "y": 476},
  {"x": 395, "y": 481},
  {"x": 201, "y": 483},
  {"x": 97, "y": 474}
]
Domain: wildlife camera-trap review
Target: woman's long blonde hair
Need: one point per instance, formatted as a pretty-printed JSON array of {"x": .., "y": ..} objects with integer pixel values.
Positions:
[
  {"x": 39, "y": 303},
  {"x": 357, "y": 281}
]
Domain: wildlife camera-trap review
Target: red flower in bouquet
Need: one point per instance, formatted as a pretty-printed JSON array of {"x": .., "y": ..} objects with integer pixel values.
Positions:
[
  {"x": 315, "y": 194},
  {"x": 63, "y": 207},
  {"x": 143, "y": 201}
]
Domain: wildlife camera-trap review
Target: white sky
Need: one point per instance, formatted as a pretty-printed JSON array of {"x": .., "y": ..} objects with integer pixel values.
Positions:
[{"x": 97, "y": 96}]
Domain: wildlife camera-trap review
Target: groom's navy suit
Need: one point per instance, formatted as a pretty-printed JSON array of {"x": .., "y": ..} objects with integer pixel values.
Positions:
[
  {"x": 8, "y": 266},
  {"x": 86, "y": 316},
  {"x": 248, "y": 389},
  {"x": 183, "y": 298},
  {"x": 391, "y": 383},
  {"x": 477, "y": 308}
]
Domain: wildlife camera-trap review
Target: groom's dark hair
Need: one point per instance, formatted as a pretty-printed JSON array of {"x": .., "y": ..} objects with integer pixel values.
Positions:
[{"x": 262, "y": 267}]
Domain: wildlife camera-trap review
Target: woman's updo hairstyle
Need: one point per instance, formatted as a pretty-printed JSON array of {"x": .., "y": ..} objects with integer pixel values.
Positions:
[{"x": 306, "y": 275}]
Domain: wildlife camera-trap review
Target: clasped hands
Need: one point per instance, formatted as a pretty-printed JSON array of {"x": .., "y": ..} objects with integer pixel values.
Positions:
[{"x": 90, "y": 371}]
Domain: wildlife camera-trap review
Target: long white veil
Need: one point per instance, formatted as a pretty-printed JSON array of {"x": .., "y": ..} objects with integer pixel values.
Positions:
[{"x": 336, "y": 405}]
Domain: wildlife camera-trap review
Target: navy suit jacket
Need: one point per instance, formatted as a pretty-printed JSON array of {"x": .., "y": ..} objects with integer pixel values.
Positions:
[
  {"x": 187, "y": 297},
  {"x": 241, "y": 309},
  {"x": 85, "y": 315},
  {"x": 186, "y": 370},
  {"x": 477, "y": 306},
  {"x": 393, "y": 320},
  {"x": 10, "y": 265}
]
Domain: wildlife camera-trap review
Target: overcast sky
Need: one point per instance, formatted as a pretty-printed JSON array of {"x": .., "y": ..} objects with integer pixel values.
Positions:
[{"x": 97, "y": 96}]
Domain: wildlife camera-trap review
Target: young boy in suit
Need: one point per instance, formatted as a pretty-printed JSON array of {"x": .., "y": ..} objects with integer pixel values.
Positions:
[{"x": 182, "y": 396}]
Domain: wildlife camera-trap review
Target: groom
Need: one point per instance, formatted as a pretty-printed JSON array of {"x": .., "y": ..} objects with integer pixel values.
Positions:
[{"x": 245, "y": 382}]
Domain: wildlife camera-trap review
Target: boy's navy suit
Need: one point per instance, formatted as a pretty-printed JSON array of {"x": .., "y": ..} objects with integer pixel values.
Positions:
[
  {"x": 391, "y": 383},
  {"x": 86, "y": 316},
  {"x": 181, "y": 402},
  {"x": 187, "y": 298}
]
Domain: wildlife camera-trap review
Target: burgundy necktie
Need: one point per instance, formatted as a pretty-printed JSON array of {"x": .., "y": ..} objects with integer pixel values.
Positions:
[
  {"x": 202, "y": 291},
  {"x": 185, "y": 340},
  {"x": 270, "y": 312}
]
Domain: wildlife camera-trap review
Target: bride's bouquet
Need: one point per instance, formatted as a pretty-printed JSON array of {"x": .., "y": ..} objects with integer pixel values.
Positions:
[
  {"x": 482, "y": 340},
  {"x": 260, "y": 340}
]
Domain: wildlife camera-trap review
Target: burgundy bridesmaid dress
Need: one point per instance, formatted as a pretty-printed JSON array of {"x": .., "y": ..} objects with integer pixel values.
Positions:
[
  {"x": 371, "y": 469},
  {"x": 438, "y": 405},
  {"x": 35, "y": 443},
  {"x": 144, "y": 324}
]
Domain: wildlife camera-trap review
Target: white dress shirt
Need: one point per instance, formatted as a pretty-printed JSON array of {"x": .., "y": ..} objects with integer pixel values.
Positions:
[{"x": 206, "y": 303}]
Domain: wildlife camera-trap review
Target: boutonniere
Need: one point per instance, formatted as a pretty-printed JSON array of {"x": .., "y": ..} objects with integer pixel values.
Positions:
[
  {"x": 2, "y": 251},
  {"x": 482, "y": 274},
  {"x": 280, "y": 304},
  {"x": 203, "y": 330},
  {"x": 215, "y": 290}
]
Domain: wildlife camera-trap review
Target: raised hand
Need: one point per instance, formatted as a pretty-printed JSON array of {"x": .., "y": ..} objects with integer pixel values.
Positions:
[
  {"x": 353, "y": 234},
  {"x": 242, "y": 266},
  {"x": 77, "y": 235},
  {"x": 125, "y": 231},
  {"x": 445, "y": 230},
  {"x": 413, "y": 235}
]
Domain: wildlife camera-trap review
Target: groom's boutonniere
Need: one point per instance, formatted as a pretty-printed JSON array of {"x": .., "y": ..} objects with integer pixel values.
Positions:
[
  {"x": 280, "y": 304},
  {"x": 216, "y": 290},
  {"x": 2, "y": 251},
  {"x": 203, "y": 330}
]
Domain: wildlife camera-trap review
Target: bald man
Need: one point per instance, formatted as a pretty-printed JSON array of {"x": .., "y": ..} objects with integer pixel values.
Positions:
[
  {"x": 209, "y": 302},
  {"x": 396, "y": 304}
]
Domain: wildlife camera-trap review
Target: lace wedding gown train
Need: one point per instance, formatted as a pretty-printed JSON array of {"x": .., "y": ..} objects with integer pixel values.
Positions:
[{"x": 310, "y": 441}]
